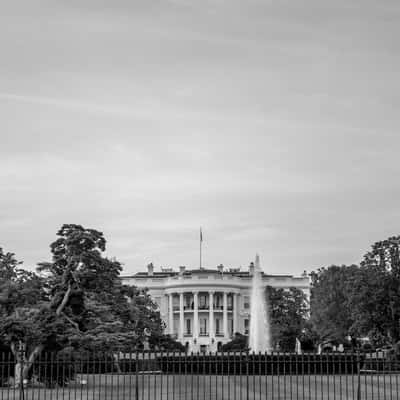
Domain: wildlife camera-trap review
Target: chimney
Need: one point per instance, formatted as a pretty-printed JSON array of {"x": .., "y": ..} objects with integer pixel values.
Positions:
[
  {"x": 181, "y": 269},
  {"x": 251, "y": 268},
  {"x": 150, "y": 269},
  {"x": 220, "y": 268}
]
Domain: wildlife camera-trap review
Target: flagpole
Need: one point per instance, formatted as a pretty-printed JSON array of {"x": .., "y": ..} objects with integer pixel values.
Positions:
[{"x": 201, "y": 243}]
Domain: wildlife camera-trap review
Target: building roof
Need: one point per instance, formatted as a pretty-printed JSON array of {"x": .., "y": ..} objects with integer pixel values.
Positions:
[{"x": 186, "y": 272}]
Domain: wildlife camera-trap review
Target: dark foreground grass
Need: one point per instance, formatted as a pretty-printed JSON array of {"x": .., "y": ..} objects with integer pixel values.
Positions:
[{"x": 207, "y": 387}]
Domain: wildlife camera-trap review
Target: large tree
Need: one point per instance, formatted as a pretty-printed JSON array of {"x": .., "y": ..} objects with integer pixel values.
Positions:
[
  {"x": 22, "y": 296},
  {"x": 360, "y": 300},
  {"x": 288, "y": 309},
  {"x": 331, "y": 312},
  {"x": 76, "y": 300},
  {"x": 375, "y": 293}
]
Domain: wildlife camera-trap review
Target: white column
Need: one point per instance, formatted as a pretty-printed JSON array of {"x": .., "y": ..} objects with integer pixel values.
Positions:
[
  {"x": 171, "y": 314},
  {"x": 235, "y": 312},
  {"x": 211, "y": 314},
  {"x": 225, "y": 317},
  {"x": 181, "y": 316},
  {"x": 195, "y": 315}
]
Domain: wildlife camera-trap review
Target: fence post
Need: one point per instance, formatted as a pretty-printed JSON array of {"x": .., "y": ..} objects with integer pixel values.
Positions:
[
  {"x": 358, "y": 376},
  {"x": 21, "y": 359},
  {"x": 137, "y": 376},
  {"x": 247, "y": 375}
]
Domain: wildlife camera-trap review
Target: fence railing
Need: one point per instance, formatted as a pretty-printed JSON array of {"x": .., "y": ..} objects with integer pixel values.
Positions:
[{"x": 147, "y": 375}]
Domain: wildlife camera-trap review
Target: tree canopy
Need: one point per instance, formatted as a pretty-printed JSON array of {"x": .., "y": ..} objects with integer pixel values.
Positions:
[
  {"x": 360, "y": 301},
  {"x": 331, "y": 310},
  {"x": 375, "y": 293},
  {"x": 289, "y": 311},
  {"x": 76, "y": 300}
]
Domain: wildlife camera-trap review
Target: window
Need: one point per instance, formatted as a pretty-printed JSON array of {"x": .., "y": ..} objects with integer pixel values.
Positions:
[
  {"x": 175, "y": 303},
  {"x": 188, "y": 327},
  {"x": 218, "y": 301},
  {"x": 203, "y": 327},
  {"x": 230, "y": 326},
  {"x": 176, "y": 325},
  {"x": 230, "y": 302},
  {"x": 246, "y": 301},
  {"x": 218, "y": 327},
  {"x": 203, "y": 301},
  {"x": 188, "y": 301},
  {"x": 246, "y": 326}
]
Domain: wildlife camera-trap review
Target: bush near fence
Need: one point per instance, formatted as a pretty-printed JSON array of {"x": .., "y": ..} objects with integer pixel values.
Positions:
[
  {"x": 253, "y": 364},
  {"x": 221, "y": 363},
  {"x": 262, "y": 364},
  {"x": 118, "y": 362}
]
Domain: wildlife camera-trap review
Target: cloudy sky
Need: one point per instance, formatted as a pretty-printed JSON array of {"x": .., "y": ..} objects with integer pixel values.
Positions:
[{"x": 272, "y": 124}]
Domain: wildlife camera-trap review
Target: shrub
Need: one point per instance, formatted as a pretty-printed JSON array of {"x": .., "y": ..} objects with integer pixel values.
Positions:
[{"x": 238, "y": 343}]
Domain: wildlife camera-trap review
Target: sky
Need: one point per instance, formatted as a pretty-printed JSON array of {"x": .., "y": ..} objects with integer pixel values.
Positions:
[{"x": 273, "y": 125}]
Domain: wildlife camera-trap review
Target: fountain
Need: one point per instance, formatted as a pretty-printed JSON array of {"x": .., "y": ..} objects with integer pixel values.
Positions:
[{"x": 259, "y": 338}]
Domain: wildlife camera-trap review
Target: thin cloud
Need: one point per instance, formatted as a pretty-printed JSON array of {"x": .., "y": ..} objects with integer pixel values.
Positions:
[
  {"x": 68, "y": 104},
  {"x": 271, "y": 124}
]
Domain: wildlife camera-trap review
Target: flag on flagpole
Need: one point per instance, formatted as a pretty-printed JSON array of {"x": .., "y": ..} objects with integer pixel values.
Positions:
[{"x": 201, "y": 235}]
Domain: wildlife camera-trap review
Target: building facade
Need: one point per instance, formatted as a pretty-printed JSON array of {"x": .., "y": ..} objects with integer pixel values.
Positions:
[{"x": 203, "y": 308}]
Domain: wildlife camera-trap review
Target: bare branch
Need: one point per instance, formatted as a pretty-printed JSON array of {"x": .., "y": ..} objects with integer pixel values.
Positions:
[{"x": 73, "y": 323}]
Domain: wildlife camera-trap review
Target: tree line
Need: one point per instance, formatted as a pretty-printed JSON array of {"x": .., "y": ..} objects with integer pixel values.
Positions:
[
  {"x": 77, "y": 302},
  {"x": 352, "y": 302},
  {"x": 354, "y": 306}
]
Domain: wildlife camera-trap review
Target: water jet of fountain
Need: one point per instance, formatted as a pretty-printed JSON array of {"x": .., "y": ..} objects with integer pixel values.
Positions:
[{"x": 259, "y": 338}]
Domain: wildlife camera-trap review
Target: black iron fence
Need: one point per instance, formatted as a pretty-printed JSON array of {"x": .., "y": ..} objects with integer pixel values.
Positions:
[{"x": 144, "y": 375}]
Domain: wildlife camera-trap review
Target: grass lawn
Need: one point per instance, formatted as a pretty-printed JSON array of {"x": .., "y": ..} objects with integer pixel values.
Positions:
[{"x": 208, "y": 387}]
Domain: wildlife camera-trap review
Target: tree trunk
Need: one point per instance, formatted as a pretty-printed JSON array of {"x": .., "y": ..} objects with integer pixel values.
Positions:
[
  {"x": 18, "y": 374},
  {"x": 24, "y": 365},
  {"x": 64, "y": 301},
  {"x": 116, "y": 363},
  {"x": 21, "y": 371}
]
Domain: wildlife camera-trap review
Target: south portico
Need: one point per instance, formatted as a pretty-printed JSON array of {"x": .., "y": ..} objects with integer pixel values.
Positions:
[{"x": 202, "y": 319}]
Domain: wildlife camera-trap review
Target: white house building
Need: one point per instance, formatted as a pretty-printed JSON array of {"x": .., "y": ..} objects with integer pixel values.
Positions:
[{"x": 203, "y": 308}]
